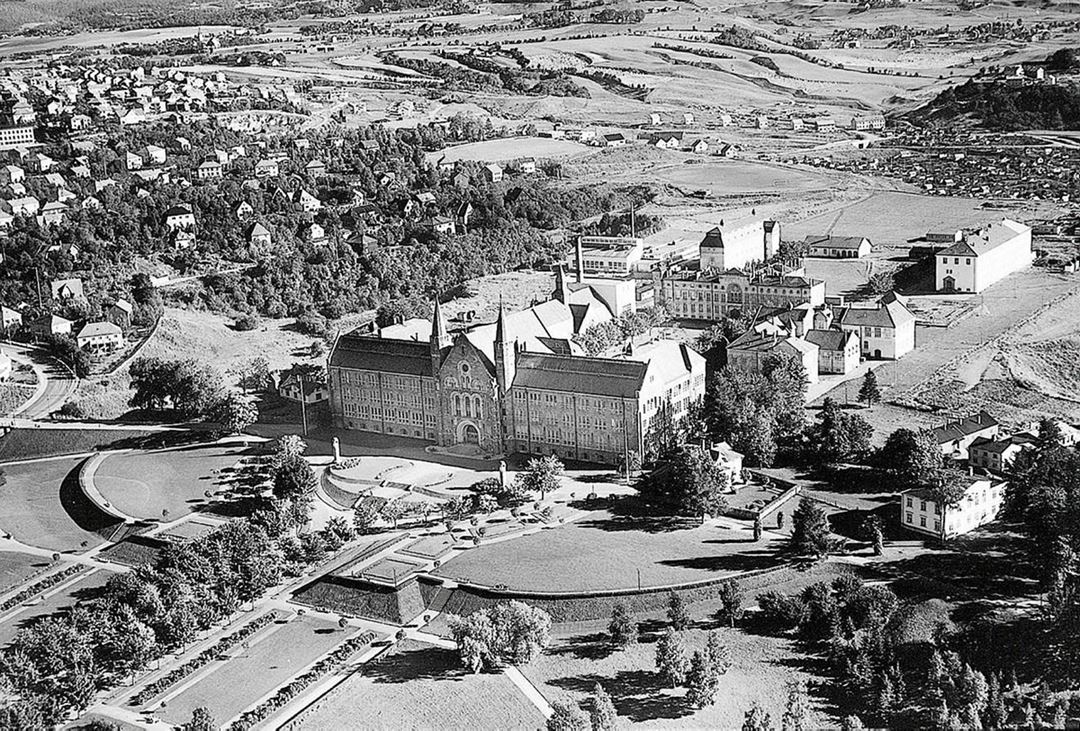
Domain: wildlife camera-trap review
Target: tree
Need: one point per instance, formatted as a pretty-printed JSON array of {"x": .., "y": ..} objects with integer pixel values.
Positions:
[
  {"x": 235, "y": 413},
  {"x": 364, "y": 517},
  {"x": 810, "y": 530},
  {"x": 717, "y": 654},
  {"x": 201, "y": 720},
  {"x": 566, "y": 716},
  {"x": 797, "y": 709},
  {"x": 507, "y": 633},
  {"x": 671, "y": 658},
  {"x": 869, "y": 391},
  {"x": 677, "y": 614},
  {"x": 703, "y": 680},
  {"x": 603, "y": 714},
  {"x": 851, "y": 723},
  {"x": 294, "y": 478},
  {"x": 838, "y": 436},
  {"x": 254, "y": 374},
  {"x": 731, "y": 602},
  {"x": 622, "y": 628},
  {"x": 913, "y": 457},
  {"x": 690, "y": 482},
  {"x": 756, "y": 719},
  {"x": 541, "y": 475}
]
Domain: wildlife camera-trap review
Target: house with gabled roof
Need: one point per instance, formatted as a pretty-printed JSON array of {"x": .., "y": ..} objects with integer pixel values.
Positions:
[{"x": 983, "y": 257}]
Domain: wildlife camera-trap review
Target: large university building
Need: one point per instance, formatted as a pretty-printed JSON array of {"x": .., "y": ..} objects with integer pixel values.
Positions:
[{"x": 517, "y": 385}]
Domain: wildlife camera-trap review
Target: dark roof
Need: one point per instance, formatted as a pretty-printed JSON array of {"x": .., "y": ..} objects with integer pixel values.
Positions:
[
  {"x": 365, "y": 352},
  {"x": 972, "y": 424},
  {"x": 836, "y": 242},
  {"x": 829, "y": 339},
  {"x": 576, "y": 374},
  {"x": 178, "y": 211},
  {"x": 559, "y": 346}
]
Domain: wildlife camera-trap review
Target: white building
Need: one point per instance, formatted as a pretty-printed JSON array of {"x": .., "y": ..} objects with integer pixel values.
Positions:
[
  {"x": 611, "y": 256},
  {"x": 733, "y": 247},
  {"x": 920, "y": 512},
  {"x": 99, "y": 337},
  {"x": 886, "y": 330},
  {"x": 179, "y": 217},
  {"x": 984, "y": 257}
]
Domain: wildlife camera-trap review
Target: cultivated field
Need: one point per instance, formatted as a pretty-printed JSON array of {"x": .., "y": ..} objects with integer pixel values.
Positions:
[{"x": 420, "y": 686}]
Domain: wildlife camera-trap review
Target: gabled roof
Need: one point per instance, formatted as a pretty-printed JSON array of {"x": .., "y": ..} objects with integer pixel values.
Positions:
[
  {"x": 830, "y": 339},
  {"x": 890, "y": 312},
  {"x": 98, "y": 329},
  {"x": 365, "y": 352},
  {"x": 972, "y": 424},
  {"x": 578, "y": 374},
  {"x": 836, "y": 242},
  {"x": 986, "y": 239}
]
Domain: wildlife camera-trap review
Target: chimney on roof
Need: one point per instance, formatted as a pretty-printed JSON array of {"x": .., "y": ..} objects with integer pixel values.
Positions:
[{"x": 580, "y": 261}]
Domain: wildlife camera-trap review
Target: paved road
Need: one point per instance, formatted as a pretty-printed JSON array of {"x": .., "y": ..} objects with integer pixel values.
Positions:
[{"x": 59, "y": 382}]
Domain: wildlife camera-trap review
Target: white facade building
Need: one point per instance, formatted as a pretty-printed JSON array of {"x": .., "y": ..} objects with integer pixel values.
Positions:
[
  {"x": 984, "y": 257},
  {"x": 920, "y": 512}
]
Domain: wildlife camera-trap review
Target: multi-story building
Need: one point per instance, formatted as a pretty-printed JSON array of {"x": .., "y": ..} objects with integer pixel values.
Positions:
[
  {"x": 997, "y": 455},
  {"x": 983, "y": 257},
  {"x": 16, "y": 128},
  {"x": 609, "y": 256},
  {"x": 709, "y": 294},
  {"x": 517, "y": 385},
  {"x": 750, "y": 350},
  {"x": 735, "y": 247},
  {"x": 886, "y": 330},
  {"x": 923, "y": 512}
]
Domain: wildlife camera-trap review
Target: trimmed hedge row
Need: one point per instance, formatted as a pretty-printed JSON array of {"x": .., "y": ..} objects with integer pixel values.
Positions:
[
  {"x": 39, "y": 586},
  {"x": 202, "y": 659},
  {"x": 285, "y": 694}
]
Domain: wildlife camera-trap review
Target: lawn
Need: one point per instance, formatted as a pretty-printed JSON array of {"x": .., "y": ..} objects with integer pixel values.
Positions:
[
  {"x": 63, "y": 601},
  {"x": 419, "y": 686},
  {"x": 15, "y": 568},
  {"x": 760, "y": 667},
  {"x": 606, "y": 551},
  {"x": 390, "y": 569},
  {"x": 169, "y": 483},
  {"x": 41, "y": 505},
  {"x": 255, "y": 671},
  {"x": 21, "y": 444}
]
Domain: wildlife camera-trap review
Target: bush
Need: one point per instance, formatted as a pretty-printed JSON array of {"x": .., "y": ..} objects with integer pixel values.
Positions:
[
  {"x": 72, "y": 410},
  {"x": 780, "y": 611},
  {"x": 246, "y": 322}
]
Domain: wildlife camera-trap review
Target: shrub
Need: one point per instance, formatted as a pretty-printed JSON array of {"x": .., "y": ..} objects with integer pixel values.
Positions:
[{"x": 780, "y": 611}]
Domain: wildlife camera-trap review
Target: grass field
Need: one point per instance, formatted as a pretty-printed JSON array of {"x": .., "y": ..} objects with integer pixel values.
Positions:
[
  {"x": 419, "y": 686},
  {"x": 63, "y": 601},
  {"x": 255, "y": 671},
  {"x": 760, "y": 667},
  {"x": 513, "y": 148},
  {"x": 146, "y": 484},
  {"x": 16, "y": 568},
  {"x": 34, "y": 507},
  {"x": 605, "y": 551},
  {"x": 21, "y": 444}
]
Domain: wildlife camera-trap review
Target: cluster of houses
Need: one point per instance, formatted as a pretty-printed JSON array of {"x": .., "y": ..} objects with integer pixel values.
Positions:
[
  {"x": 979, "y": 443},
  {"x": 96, "y": 337}
]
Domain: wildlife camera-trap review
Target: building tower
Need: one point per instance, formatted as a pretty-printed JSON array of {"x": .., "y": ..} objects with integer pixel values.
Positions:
[{"x": 505, "y": 354}]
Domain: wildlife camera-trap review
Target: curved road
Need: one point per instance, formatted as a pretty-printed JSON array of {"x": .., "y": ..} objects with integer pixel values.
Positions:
[{"x": 56, "y": 382}]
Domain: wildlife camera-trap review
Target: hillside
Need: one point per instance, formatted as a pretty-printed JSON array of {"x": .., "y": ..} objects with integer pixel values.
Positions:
[{"x": 999, "y": 106}]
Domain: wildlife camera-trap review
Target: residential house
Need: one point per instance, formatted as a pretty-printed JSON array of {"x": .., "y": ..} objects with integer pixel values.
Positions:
[
  {"x": 922, "y": 511},
  {"x": 99, "y": 337},
  {"x": 67, "y": 289},
  {"x": 10, "y": 320},
  {"x": 313, "y": 388},
  {"x": 886, "y": 330},
  {"x": 954, "y": 437},
  {"x": 155, "y": 154},
  {"x": 120, "y": 313},
  {"x": 209, "y": 170},
  {"x": 266, "y": 168},
  {"x": 179, "y": 217},
  {"x": 729, "y": 461},
  {"x": 50, "y": 326},
  {"x": 259, "y": 235},
  {"x": 492, "y": 172},
  {"x": 315, "y": 169},
  {"x": 243, "y": 210},
  {"x": 749, "y": 351},
  {"x": 996, "y": 455},
  {"x": 838, "y": 350}
]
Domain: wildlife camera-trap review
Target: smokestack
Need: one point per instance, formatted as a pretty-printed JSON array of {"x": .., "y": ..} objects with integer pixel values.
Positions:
[{"x": 580, "y": 259}]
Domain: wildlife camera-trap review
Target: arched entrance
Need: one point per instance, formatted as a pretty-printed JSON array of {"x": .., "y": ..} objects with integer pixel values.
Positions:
[
  {"x": 948, "y": 284},
  {"x": 470, "y": 434}
]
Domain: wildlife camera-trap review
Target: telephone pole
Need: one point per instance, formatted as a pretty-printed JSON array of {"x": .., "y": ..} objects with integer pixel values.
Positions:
[{"x": 303, "y": 403}]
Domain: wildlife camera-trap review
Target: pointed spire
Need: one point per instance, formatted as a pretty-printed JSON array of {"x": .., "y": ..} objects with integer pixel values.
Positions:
[
  {"x": 500, "y": 324},
  {"x": 439, "y": 336}
]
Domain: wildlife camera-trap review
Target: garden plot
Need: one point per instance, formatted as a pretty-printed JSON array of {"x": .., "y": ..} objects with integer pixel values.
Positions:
[{"x": 253, "y": 672}]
